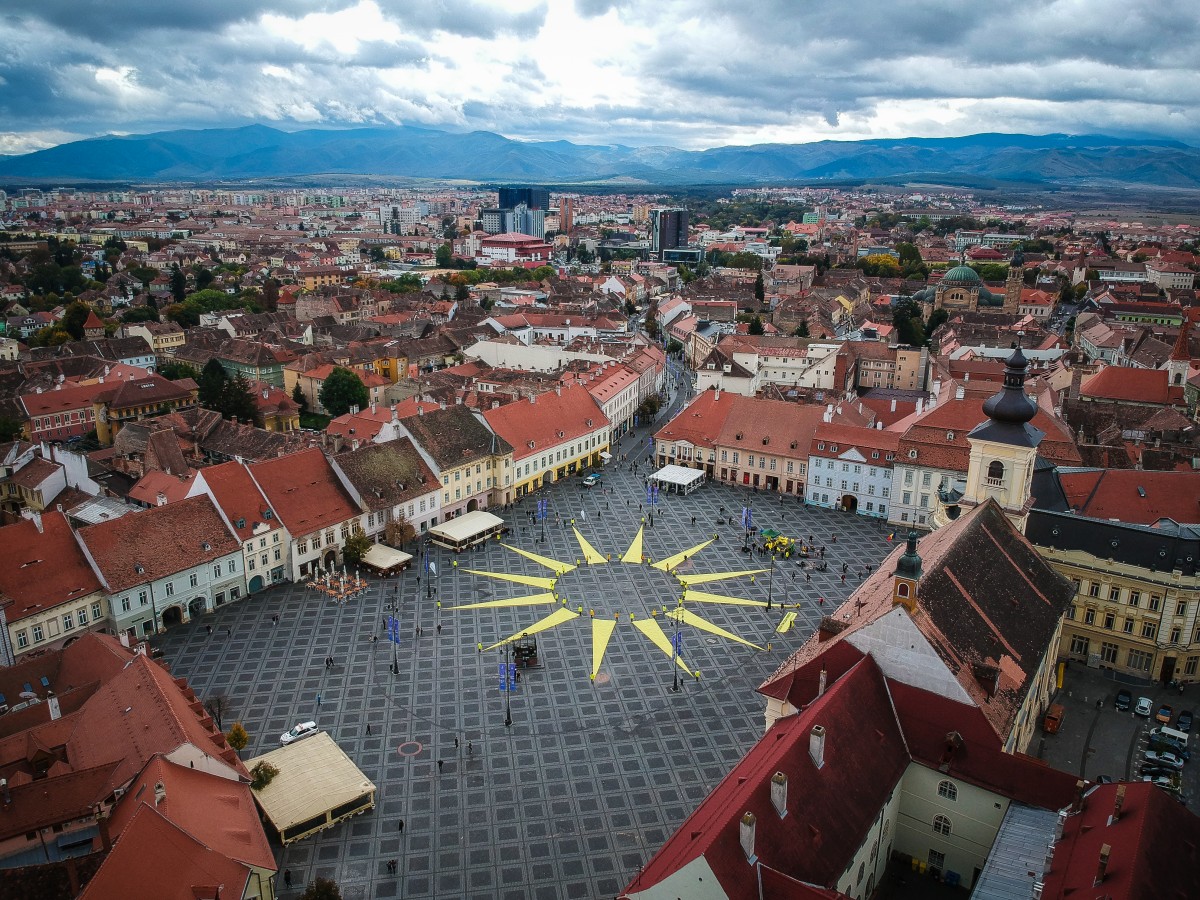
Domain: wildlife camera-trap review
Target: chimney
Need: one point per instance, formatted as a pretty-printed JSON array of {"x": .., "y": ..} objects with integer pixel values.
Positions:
[
  {"x": 828, "y": 415},
  {"x": 1105, "y": 850},
  {"x": 816, "y": 745},
  {"x": 420, "y": 410},
  {"x": 717, "y": 395},
  {"x": 822, "y": 682},
  {"x": 266, "y": 393},
  {"x": 779, "y": 793},
  {"x": 160, "y": 793},
  {"x": 105, "y": 835},
  {"x": 959, "y": 392},
  {"x": 161, "y": 499},
  {"x": 1119, "y": 803},
  {"x": 937, "y": 387},
  {"x": 893, "y": 404},
  {"x": 372, "y": 407},
  {"x": 746, "y": 835},
  {"x": 395, "y": 414},
  {"x": 533, "y": 398}
]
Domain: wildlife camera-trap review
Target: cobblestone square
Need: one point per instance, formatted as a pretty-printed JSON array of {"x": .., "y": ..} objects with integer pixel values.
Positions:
[{"x": 590, "y": 778}]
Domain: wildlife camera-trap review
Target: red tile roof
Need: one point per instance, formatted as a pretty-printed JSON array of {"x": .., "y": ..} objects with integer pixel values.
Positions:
[
  {"x": 304, "y": 492},
  {"x": 185, "y": 534},
  {"x": 154, "y": 482},
  {"x": 188, "y": 870},
  {"x": 218, "y": 812},
  {"x": 857, "y": 716},
  {"x": 1141, "y": 497},
  {"x": 1154, "y": 847},
  {"x": 39, "y": 570},
  {"x": 847, "y": 437},
  {"x": 700, "y": 422},
  {"x": 557, "y": 417},
  {"x": 1132, "y": 385},
  {"x": 238, "y": 497}
]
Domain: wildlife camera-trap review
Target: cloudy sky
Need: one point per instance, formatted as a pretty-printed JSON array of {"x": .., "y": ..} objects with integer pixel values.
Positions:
[{"x": 686, "y": 73}]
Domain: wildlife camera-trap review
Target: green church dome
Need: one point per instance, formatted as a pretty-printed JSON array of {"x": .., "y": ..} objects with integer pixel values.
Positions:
[{"x": 962, "y": 275}]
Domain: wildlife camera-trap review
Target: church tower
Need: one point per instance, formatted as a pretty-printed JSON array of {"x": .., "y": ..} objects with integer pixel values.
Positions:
[
  {"x": 1004, "y": 447},
  {"x": 1181, "y": 354},
  {"x": 907, "y": 577},
  {"x": 1014, "y": 284}
]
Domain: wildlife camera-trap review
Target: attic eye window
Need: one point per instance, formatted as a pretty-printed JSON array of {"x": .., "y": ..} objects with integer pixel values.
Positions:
[
  {"x": 766, "y": 441},
  {"x": 949, "y": 435},
  {"x": 912, "y": 454},
  {"x": 206, "y": 545},
  {"x": 268, "y": 514}
]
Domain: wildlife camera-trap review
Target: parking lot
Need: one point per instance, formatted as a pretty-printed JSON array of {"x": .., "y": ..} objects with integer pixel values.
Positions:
[
  {"x": 590, "y": 779},
  {"x": 1097, "y": 739}
]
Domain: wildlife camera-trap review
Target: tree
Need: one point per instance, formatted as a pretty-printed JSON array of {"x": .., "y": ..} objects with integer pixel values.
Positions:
[
  {"x": 760, "y": 292},
  {"x": 906, "y": 316},
  {"x": 444, "y": 256},
  {"x": 270, "y": 295},
  {"x": 299, "y": 398},
  {"x": 10, "y": 428},
  {"x": 178, "y": 284},
  {"x": 462, "y": 293},
  {"x": 756, "y": 326},
  {"x": 261, "y": 774},
  {"x": 343, "y": 389},
  {"x": 212, "y": 384},
  {"x": 356, "y": 547},
  {"x": 880, "y": 265},
  {"x": 204, "y": 277},
  {"x": 237, "y": 401},
  {"x": 399, "y": 532},
  {"x": 322, "y": 889},
  {"x": 174, "y": 371},
  {"x": 216, "y": 706},
  {"x": 237, "y": 737},
  {"x": 936, "y": 318},
  {"x": 74, "y": 317},
  {"x": 136, "y": 314},
  {"x": 801, "y": 329}
]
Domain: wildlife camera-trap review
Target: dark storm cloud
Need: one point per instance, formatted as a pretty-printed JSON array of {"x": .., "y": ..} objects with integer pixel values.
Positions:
[{"x": 685, "y": 72}]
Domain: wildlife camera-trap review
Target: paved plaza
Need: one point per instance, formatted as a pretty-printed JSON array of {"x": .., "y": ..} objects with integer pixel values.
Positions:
[{"x": 591, "y": 777}]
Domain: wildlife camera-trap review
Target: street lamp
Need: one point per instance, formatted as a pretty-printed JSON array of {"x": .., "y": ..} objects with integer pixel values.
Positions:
[{"x": 508, "y": 686}]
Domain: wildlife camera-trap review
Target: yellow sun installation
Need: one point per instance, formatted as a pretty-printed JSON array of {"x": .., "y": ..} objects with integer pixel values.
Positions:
[{"x": 602, "y": 626}]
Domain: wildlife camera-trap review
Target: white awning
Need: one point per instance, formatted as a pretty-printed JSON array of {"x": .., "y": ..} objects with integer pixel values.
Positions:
[
  {"x": 680, "y": 475},
  {"x": 605, "y": 455},
  {"x": 383, "y": 558},
  {"x": 466, "y": 526}
]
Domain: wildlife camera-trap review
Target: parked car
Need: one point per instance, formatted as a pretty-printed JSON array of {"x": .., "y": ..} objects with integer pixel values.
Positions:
[
  {"x": 1144, "y": 707},
  {"x": 591, "y": 480},
  {"x": 1124, "y": 700},
  {"x": 1184, "y": 722},
  {"x": 1161, "y": 781},
  {"x": 1170, "y": 746},
  {"x": 303, "y": 730},
  {"x": 1164, "y": 758},
  {"x": 1155, "y": 770},
  {"x": 1164, "y": 714}
]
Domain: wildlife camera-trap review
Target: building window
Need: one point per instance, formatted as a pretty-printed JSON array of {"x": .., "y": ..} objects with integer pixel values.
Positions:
[
  {"x": 1108, "y": 652},
  {"x": 1149, "y": 630},
  {"x": 1109, "y": 621},
  {"x": 81, "y": 616},
  {"x": 193, "y": 579},
  {"x": 1176, "y": 634},
  {"x": 97, "y": 611},
  {"x": 1139, "y": 660},
  {"x": 1181, "y": 608},
  {"x": 22, "y": 639},
  {"x": 941, "y": 825},
  {"x": 38, "y": 635},
  {"x": 1114, "y": 594},
  {"x": 1089, "y": 617},
  {"x": 1079, "y": 645},
  {"x": 1093, "y": 589},
  {"x": 1135, "y": 598},
  {"x": 1129, "y": 626},
  {"x": 124, "y": 604},
  {"x": 68, "y": 622},
  {"x": 948, "y": 789},
  {"x": 995, "y": 473},
  {"x": 1193, "y": 662},
  {"x": 1155, "y": 602},
  {"x": 936, "y": 859}
]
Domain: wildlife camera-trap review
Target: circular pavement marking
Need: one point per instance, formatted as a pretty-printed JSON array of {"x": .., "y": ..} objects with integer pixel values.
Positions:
[{"x": 410, "y": 748}]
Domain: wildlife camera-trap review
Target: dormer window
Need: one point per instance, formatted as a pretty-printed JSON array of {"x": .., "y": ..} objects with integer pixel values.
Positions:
[
  {"x": 240, "y": 523},
  {"x": 820, "y": 446},
  {"x": 874, "y": 454},
  {"x": 912, "y": 454},
  {"x": 949, "y": 435},
  {"x": 833, "y": 448}
]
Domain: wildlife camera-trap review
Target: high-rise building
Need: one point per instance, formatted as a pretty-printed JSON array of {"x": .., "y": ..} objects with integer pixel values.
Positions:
[
  {"x": 532, "y": 197},
  {"x": 524, "y": 220},
  {"x": 566, "y": 215},
  {"x": 668, "y": 229}
]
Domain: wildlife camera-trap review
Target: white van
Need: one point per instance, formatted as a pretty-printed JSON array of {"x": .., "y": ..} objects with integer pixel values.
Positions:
[{"x": 1171, "y": 733}]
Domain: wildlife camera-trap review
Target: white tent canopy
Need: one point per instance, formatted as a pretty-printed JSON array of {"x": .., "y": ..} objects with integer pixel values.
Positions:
[
  {"x": 383, "y": 558},
  {"x": 680, "y": 479},
  {"x": 467, "y": 529}
]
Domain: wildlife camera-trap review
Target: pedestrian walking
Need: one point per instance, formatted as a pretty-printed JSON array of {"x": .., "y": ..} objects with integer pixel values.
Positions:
[
  {"x": 368, "y": 728},
  {"x": 469, "y": 748},
  {"x": 318, "y": 700},
  {"x": 456, "y": 743},
  {"x": 209, "y": 627},
  {"x": 440, "y": 764},
  {"x": 439, "y": 624},
  {"x": 287, "y": 877},
  {"x": 402, "y": 826}
]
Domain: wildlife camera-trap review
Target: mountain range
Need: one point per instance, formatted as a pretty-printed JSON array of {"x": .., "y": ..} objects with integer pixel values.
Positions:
[{"x": 260, "y": 152}]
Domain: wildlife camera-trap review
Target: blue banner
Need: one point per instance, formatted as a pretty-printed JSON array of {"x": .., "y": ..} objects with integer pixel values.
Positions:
[
  {"x": 677, "y": 643},
  {"x": 393, "y": 629},
  {"x": 508, "y": 676}
]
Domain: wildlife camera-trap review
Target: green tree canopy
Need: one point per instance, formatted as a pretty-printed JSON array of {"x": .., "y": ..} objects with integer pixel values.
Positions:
[
  {"x": 356, "y": 547},
  {"x": 237, "y": 737},
  {"x": 73, "y": 318},
  {"x": 178, "y": 284},
  {"x": 237, "y": 402},
  {"x": 322, "y": 889},
  {"x": 444, "y": 255},
  {"x": 756, "y": 325},
  {"x": 299, "y": 398},
  {"x": 760, "y": 292},
  {"x": 145, "y": 313},
  {"x": 341, "y": 390},
  {"x": 212, "y": 384}
]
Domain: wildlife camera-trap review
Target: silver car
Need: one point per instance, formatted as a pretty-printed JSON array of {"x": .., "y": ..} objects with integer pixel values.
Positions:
[{"x": 303, "y": 730}]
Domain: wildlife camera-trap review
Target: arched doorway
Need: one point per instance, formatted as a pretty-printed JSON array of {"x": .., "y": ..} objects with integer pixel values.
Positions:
[
  {"x": 330, "y": 561},
  {"x": 256, "y": 583},
  {"x": 196, "y": 607},
  {"x": 849, "y": 503},
  {"x": 472, "y": 505},
  {"x": 172, "y": 615}
]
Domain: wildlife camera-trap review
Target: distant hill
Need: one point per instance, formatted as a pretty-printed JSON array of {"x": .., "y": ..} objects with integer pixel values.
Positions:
[{"x": 259, "y": 152}]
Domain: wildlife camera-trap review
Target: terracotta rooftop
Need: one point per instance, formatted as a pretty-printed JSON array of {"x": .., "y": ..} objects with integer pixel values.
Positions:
[
  {"x": 186, "y": 533},
  {"x": 548, "y": 420},
  {"x": 304, "y": 492},
  {"x": 388, "y": 474},
  {"x": 40, "y": 570},
  {"x": 1131, "y": 385},
  {"x": 1132, "y": 495},
  {"x": 238, "y": 497}
]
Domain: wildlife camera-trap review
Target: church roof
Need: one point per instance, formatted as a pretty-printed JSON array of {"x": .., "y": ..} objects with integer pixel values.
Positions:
[{"x": 962, "y": 275}]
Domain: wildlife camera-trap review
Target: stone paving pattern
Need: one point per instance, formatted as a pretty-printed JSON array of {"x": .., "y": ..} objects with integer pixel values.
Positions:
[{"x": 590, "y": 779}]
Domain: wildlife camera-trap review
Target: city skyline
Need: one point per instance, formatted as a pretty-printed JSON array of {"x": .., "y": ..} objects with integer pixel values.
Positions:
[{"x": 690, "y": 75}]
